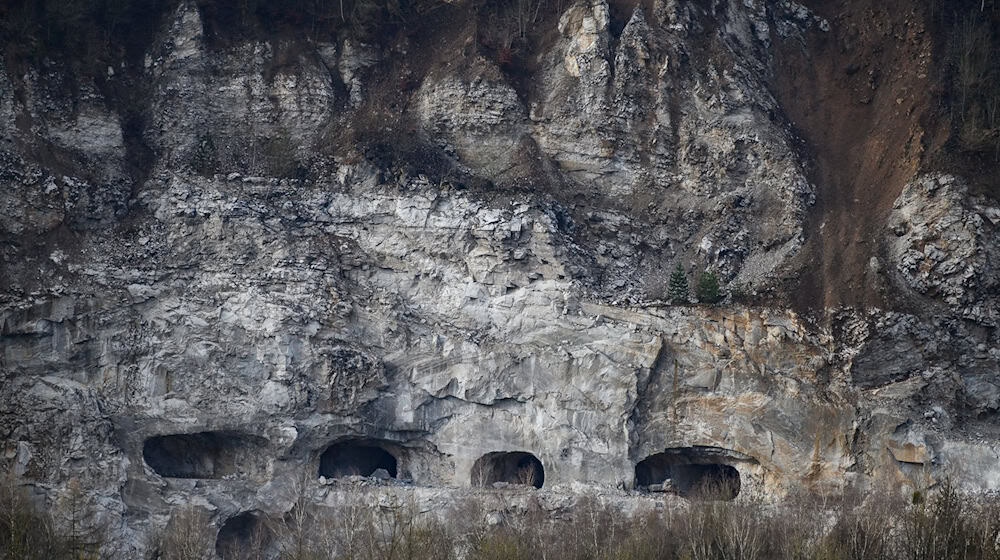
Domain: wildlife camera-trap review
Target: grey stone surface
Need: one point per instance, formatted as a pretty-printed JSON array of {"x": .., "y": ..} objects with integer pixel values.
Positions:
[
  {"x": 442, "y": 321},
  {"x": 945, "y": 248}
]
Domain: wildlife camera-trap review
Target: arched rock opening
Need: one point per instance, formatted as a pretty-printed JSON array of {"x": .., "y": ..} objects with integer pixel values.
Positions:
[
  {"x": 515, "y": 467},
  {"x": 242, "y": 535},
  {"x": 698, "y": 471},
  {"x": 358, "y": 457},
  {"x": 207, "y": 455}
]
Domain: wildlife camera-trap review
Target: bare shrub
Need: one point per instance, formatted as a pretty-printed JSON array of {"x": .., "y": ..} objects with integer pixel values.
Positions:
[
  {"x": 75, "y": 514},
  {"x": 973, "y": 50},
  {"x": 359, "y": 522},
  {"x": 188, "y": 536},
  {"x": 367, "y": 525},
  {"x": 508, "y": 25},
  {"x": 647, "y": 538},
  {"x": 948, "y": 526},
  {"x": 984, "y": 531},
  {"x": 381, "y": 523},
  {"x": 246, "y": 542},
  {"x": 864, "y": 531},
  {"x": 502, "y": 545},
  {"x": 248, "y": 152},
  {"x": 798, "y": 526},
  {"x": 24, "y": 532},
  {"x": 742, "y": 531},
  {"x": 722, "y": 530},
  {"x": 527, "y": 475}
]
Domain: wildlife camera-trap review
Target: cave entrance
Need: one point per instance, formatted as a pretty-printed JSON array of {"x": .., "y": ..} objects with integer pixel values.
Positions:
[
  {"x": 692, "y": 472},
  {"x": 207, "y": 455},
  {"x": 515, "y": 467},
  {"x": 242, "y": 536},
  {"x": 362, "y": 458}
]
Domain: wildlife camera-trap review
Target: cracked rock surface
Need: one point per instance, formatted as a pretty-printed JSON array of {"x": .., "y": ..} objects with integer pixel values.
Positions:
[{"x": 263, "y": 298}]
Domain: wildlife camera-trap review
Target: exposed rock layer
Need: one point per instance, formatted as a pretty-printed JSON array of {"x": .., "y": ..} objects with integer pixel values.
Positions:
[{"x": 297, "y": 297}]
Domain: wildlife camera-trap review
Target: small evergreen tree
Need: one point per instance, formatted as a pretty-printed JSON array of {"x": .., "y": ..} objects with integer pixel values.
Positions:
[
  {"x": 677, "y": 291},
  {"x": 708, "y": 288}
]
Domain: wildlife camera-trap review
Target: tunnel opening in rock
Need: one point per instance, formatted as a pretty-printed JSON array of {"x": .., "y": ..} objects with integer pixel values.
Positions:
[
  {"x": 243, "y": 535},
  {"x": 362, "y": 458},
  {"x": 692, "y": 472},
  {"x": 207, "y": 455},
  {"x": 515, "y": 467}
]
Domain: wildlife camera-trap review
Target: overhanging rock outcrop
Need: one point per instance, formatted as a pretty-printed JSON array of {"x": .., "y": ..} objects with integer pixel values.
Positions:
[{"x": 343, "y": 258}]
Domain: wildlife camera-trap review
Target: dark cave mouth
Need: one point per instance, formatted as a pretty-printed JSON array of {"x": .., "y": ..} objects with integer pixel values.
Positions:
[
  {"x": 513, "y": 467},
  {"x": 692, "y": 472},
  {"x": 360, "y": 458},
  {"x": 243, "y": 534},
  {"x": 209, "y": 455}
]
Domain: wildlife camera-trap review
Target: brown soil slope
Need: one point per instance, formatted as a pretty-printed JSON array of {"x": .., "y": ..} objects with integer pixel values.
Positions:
[{"x": 861, "y": 97}]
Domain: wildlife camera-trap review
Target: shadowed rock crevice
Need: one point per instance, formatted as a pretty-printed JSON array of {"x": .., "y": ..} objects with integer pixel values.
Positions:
[
  {"x": 516, "y": 467},
  {"x": 691, "y": 472},
  {"x": 357, "y": 457},
  {"x": 207, "y": 455},
  {"x": 243, "y": 535}
]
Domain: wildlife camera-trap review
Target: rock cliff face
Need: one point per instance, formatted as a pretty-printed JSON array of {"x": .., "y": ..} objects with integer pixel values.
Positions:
[{"x": 487, "y": 277}]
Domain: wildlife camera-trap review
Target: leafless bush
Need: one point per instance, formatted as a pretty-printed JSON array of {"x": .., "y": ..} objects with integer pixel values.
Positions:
[
  {"x": 647, "y": 538},
  {"x": 984, "y": 530},
  {"x": 297, "y": 530},
  {"x": 68, "y": 529},
  {"x": 188, "y": 536},
  {"x": 722, "y": 530},
  {"x": 250, "y": 540},
  {"x": 864, "y": 531},
  {"x": 76, "y": 515},
  {"x": 527, "y": 475},
  {"x": 950, "y": 526},
  {"x": 974, "y": 50},
  {"x": 368, "y": 524},
  {"x": 481, "y": 475},
  {"x": 383, "y": 524},
  {"x": 273, "y": 154},
  {"x": 797, "y": 527},
  {"x": 387, "y": 523},
  {"x": 24, "y": 532},
  {"x": 508, "y": 25}
]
